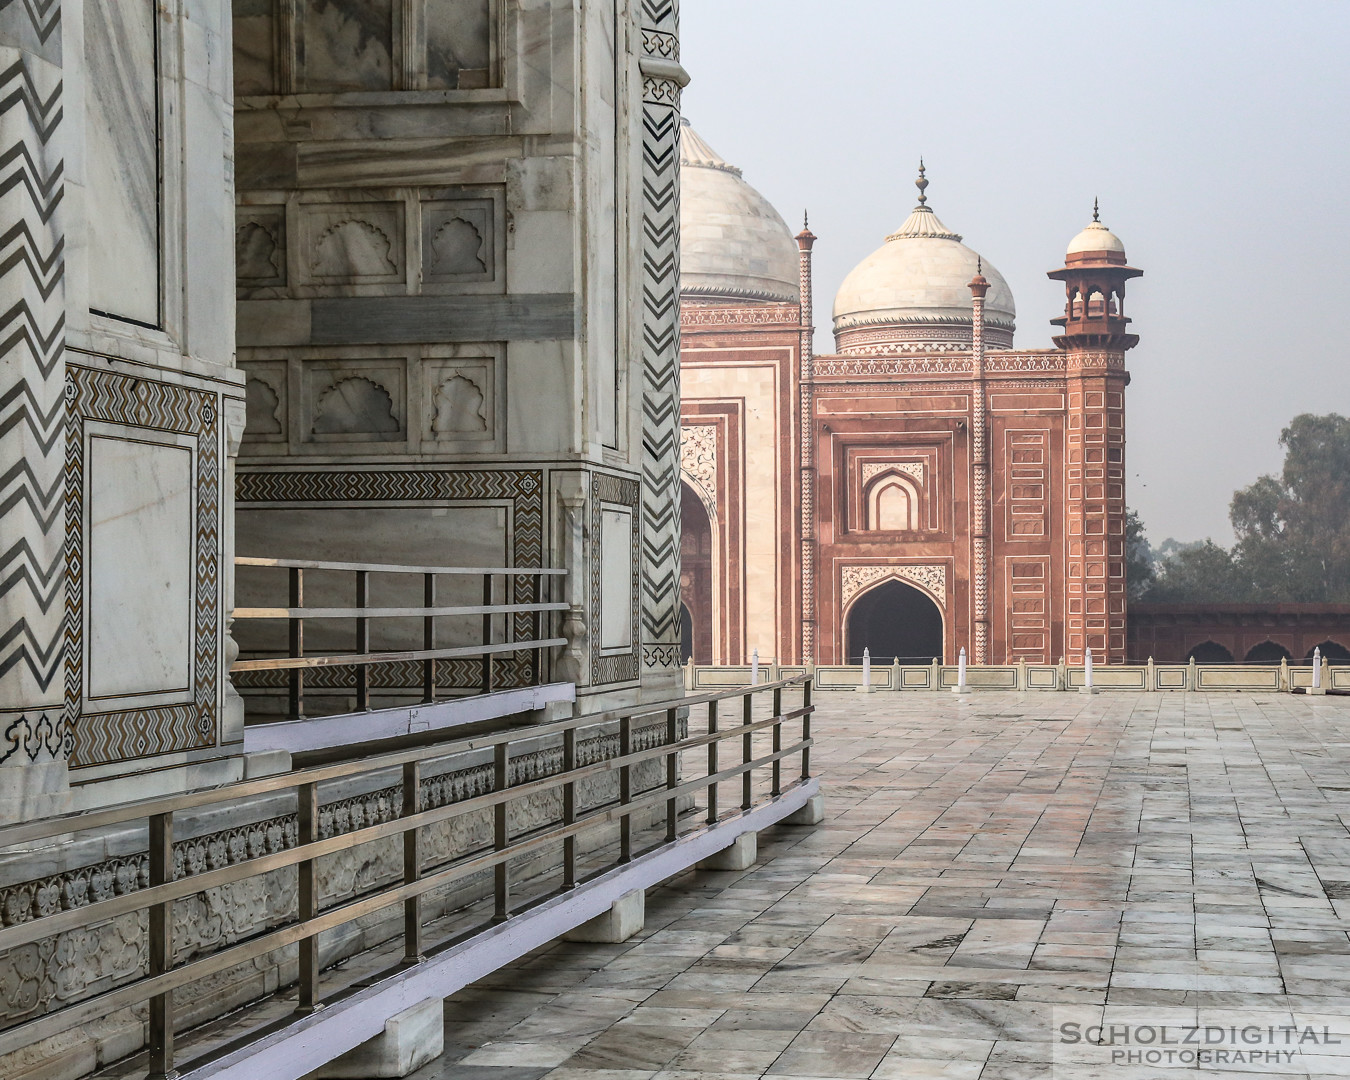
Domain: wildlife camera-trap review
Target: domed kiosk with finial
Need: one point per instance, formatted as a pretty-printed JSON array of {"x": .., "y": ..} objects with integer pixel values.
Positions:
[
  {"x": 912, "y": 292},
  {"x": 1094, "y": 276},
  {"x": 734, "y": 246}
]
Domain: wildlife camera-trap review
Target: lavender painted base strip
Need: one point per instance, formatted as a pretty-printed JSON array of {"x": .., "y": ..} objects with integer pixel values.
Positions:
[
  {"x": 298, "y": 736},
  {"x": 316, "y": 1039}
]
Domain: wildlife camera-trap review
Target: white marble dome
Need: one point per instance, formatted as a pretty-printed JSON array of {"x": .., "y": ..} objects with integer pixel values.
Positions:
[
  {"x": 913, "y": 292},
  {"x": 1096, "y": 237},
  {"x": 734, "y": 246}
]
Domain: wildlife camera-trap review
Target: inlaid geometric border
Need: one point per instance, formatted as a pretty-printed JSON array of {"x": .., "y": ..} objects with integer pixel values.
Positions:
[
  {"x": 114, "y": 397},
  {"x": 524, "y": 488},
  {"x": 623, "y": 490}
]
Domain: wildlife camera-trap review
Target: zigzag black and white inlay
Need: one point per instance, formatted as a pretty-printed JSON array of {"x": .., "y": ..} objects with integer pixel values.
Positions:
[
  {"x": 660, "y": 344},
  {"x": 32, "y": 333}
]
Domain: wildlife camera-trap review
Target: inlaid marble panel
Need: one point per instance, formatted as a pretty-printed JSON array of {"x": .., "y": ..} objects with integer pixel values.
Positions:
[
  {"x": 354, "y": 400},
  {"x": 121, "y": 141},
  {"x": 459, "y": 403},
  {"x": 460, "y": 240},
  {"x": 459, "y": 44},
  {"x": 356, "y": 243},
  {"x": 616, "y": 588},
  {"x": 141, "y": 517},
  {"x": 260, "y": 246},
  {"x": 265, "y": 395},
  {"x": 348, "y": 45}
]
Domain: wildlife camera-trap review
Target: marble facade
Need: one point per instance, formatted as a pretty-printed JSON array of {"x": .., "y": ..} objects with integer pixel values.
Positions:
[
  {"x": 453, "y": 339},
  {"x": 121, "y": 405},
  {"x": 447, "y": 214}
]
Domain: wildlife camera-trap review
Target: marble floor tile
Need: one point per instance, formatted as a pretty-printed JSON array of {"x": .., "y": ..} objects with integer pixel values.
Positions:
[{"x": 984, "y": 862}]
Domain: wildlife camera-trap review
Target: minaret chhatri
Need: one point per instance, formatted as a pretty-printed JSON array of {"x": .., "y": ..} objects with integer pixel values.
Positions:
[
  {"x": 805, "y": 427},
  {"x": 1095, "y": 335},
  {"x": 979, "y": 465}
]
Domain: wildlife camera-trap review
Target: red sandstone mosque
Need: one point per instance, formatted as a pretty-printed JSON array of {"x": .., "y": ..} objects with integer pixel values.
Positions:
[{"x": 926, "y": 487}]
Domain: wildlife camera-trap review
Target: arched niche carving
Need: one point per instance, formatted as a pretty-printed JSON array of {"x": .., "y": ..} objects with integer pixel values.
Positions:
[{"x": 892, "y": 502}]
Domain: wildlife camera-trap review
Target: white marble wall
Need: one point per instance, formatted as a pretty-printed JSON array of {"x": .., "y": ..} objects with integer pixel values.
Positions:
[
  {"x": 132, "y": 150},
  {"x": 440, "y": 277}
]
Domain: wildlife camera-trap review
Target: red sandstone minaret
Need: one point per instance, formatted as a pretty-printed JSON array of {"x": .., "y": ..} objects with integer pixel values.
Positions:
[
  {"x": 805, "y": 426},
  {"x": 979, "y": 455},
  {"x": 1094, "y": 334}
]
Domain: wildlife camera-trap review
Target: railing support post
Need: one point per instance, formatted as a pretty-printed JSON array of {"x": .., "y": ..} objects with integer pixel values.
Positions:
[
  {"x": 569, "y": 809},
  {"x": 307, "y": 897},
  {"x": 161, "y": 948},
  {"x": 625, "y": 789},
  {"x": 672, "y": 772},
  {"x": 712, "y": 763},
  {"x": 501, "y": 760},
  {"x": 777, "y": 742},
  {"x": 429, "y": 638},
  {"x": 297, "y": 644},
  {"x": 806, "y": 729},
  {"x": 362, "y": 640},
  {"x": 412, "y": 864},
  {"x": 747, "y": 752},
  {"x": 487, "y": 634}
]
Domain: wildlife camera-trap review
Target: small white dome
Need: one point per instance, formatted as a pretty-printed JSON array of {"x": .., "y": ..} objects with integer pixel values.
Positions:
[
  {"x": 733, "y": 244},
  {"x": 913, "y": 291},
  {"x": 1096, "y": 237}
]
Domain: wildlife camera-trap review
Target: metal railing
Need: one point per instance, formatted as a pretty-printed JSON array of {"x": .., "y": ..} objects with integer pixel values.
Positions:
[
  {"x": 165, "y": 886},
  {"x": 527, "y": 616}
]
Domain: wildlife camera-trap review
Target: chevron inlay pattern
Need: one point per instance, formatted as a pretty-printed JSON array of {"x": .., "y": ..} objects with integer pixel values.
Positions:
[
  {"x": 660, "y": 344},
  {"x": 32, "y": 332},
  {"x": 100, "y": 738}
]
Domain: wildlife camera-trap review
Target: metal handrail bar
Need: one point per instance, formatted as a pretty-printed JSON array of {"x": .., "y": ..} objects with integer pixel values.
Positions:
[
  {"x": 87, "y": 820},
  {"x": 26, "y": 933},
  {"x": 387, "y": 568},
  {"x": 533, "y": 637},
  {"x": 392, "y": 612},
  {"x": 81, "y": 1013},
  {"x": 159, "y": 897},
  {"x": 283, "y": 663}
]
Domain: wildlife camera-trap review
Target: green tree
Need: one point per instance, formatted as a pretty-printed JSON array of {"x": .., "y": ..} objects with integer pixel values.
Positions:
[
  {"x": 1293, "y": 533},
  {"x": 1197, "y": 573},
  {"x": 1139, "y": 569}
]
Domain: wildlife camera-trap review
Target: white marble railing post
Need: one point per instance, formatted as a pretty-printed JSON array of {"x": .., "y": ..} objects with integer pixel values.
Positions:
[
  {"x": 1088, "y": 688},
  {"x": 754, "y": 667},
  {"x": 866, "y": 686},
  {"x": 960, "y": 687},
  {"x": 1317, "y": 682}
]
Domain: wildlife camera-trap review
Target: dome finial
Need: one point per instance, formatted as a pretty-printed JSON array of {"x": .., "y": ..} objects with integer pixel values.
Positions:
[
  {"x": 1095, "y": 215},
  {"x": 921, "y": 183}
]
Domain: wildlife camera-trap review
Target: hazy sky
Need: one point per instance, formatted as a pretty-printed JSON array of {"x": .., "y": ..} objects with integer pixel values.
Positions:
[{"x": 1216, "y": 135}]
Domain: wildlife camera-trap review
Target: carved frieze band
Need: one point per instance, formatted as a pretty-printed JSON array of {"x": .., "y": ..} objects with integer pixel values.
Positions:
[
  {"x": 909, "y": 468},
  {"x": 932, "y": 578},
  {"x": 32, "y": 324},
  {"x": 64, "y": 969}
]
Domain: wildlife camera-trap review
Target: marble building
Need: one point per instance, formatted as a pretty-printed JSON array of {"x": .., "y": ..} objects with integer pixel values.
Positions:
[
  {"x": 450, "y": 337},
  {"x": 444, "y": 209},
  {"x": 925, "y": 488}
]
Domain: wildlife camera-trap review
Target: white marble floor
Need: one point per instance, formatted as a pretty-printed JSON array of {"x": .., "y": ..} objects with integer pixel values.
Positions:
[{"x": 991, "y": 870}]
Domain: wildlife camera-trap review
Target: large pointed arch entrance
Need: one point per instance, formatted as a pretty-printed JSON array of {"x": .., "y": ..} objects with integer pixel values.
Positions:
[{"x": 894, "y": 620}]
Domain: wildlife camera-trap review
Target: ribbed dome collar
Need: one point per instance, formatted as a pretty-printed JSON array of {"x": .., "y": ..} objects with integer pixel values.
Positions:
[{"x": 694, "y": 150}]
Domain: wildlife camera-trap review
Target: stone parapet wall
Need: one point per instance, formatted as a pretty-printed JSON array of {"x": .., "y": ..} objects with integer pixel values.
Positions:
[{"x": 1027, "y": 677}]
